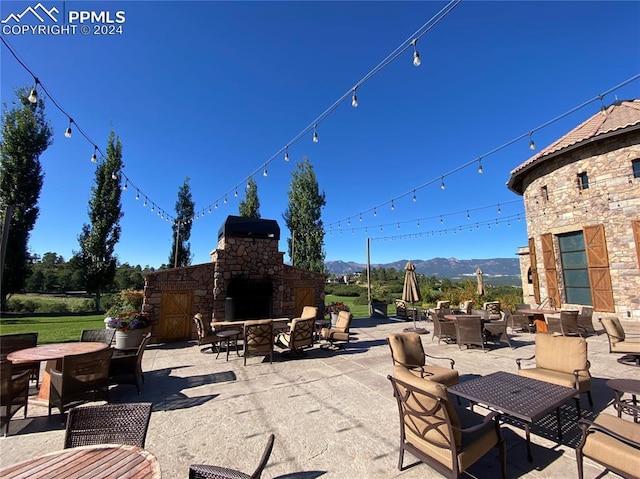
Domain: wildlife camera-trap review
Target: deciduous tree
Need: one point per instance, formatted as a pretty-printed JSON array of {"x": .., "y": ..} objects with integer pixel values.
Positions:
[
  {"x": 303, "y": 218},
  {"x": 250, "y": 206},
  {"x": 182, "y": 227},
  {"x": 26, "y": 134},
  {"x": 99, "y": 238}
]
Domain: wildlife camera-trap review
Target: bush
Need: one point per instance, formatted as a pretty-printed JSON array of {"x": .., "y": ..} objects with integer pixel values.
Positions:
[
  {"x": 348, "y": 290},
  {"x": 125, "y": 301}
]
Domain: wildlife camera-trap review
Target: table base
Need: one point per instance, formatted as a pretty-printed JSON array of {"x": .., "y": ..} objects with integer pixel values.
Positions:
[
  {"x": 630, "y": 360},
  {"x": 416, "y": 330}
]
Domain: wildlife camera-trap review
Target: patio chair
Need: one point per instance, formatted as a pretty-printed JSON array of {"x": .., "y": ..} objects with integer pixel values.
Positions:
[
  {"x": 612, "y": 442},
  {"x": 82, "y": 378},
  {"x": 520, "y": 322},
  {"x": 433, "y": 430},
  {"x": 496, "y": 331},
  {"x": 407, "y": 353},
  {"x": 619, "y": 341},
  {"x": 493, "y": 309},
  {"x": 401, "y": 309},
  {"x": 521, "y": 306},
  {"x": 469, "y": 331},
  {"x": 560, "y": 360},
  {"x": 126, "y": 368},
  {"x": 258, "y": 338},
  {"x": 442, "y": 328},
  {"x": 585, "y": 320},
  {"x": 14, "y": 389},
  {"x": 340, "y": 332},
  {"x": 15, "y": 342},
  {"x": 565, "y": 324},
  {"x": 299, "y": 337},
  {"x": 203, "y": 471},
  {"x": 98, "y": 335},
  {"x": 443, "y": 304},
  {"x": 309, "y": 312},
  {"x": 205, "y": 336},
  {"x": 108, "y": 424},
  {"x": 466, "y": 307},
  {"x": 442, "y": 312}
]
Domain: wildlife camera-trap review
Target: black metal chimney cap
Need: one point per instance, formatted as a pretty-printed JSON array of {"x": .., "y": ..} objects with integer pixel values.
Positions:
[{"x": 241, "y": 227}]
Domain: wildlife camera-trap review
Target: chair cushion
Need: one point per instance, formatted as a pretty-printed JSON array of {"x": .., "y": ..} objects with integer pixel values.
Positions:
[
  {"x": 446, "y": 376},
  {"x": 556, "y": 377},
  {"x": 614, "y": 329},
  {"x": 626, "y": 346},
  {"x": 561, "y": 353},
  {"x": 406, "y": 348},
  {"x": 611, "y": 452}
]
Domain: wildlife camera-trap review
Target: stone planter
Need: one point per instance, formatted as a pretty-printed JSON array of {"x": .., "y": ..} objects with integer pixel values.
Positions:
[
  {"x": 334, "y": 319},
  {"x": 378, "y": 309},
  {"x": 129, "y": 339}
]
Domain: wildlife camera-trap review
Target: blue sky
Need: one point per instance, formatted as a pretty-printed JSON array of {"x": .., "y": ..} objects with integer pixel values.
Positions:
[{"x": 213, "y": 90}]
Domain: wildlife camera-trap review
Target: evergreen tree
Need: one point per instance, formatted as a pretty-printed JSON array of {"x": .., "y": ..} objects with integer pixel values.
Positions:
[
  {"x": 182, "y": 227},
  {"x": 303, "y": 218},
  {"x": 250, "y": 206},
  {"x": 26, "y": 134},
  {"x": 98, "y": 239}
]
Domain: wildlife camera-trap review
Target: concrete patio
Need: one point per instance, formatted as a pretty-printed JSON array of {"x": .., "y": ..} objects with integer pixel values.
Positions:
[{"x": 332, "y": 412}]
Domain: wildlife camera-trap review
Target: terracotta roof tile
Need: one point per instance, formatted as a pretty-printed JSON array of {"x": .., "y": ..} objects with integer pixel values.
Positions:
[{"x": 619, "y": 115}]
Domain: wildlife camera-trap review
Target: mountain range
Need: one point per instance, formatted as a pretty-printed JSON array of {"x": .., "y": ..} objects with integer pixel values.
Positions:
[{"x": 452, "y": 268}]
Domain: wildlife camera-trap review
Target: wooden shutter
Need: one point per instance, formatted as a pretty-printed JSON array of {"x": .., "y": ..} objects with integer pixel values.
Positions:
[
  {"x": 534, "y": 270},
  {"x": 551, "y": 273},
  {"x": 598, "y": 262},
  {"x": 635, "y": 225}
]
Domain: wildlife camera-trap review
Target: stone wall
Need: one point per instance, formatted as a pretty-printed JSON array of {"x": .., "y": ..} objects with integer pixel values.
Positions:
[{"x": 612, "y": 199}]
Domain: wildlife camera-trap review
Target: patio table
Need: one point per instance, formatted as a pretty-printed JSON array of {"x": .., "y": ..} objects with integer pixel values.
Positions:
[
  {"x": 53, "y": 354},
  {"x": 97, "y": 462},
  {"x": 518, "y": 397},
  {"x": 537, "y": 317}
]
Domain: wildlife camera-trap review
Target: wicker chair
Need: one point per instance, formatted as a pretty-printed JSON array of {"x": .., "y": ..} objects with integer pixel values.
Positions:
[
  {"x": 98, "y": 335},
  {"x": 407, "y": 353},
  {"x": 466, "y": 307},
  {"x": 258, "y": 338},
  {"x": 204, "y": 335},
  {"x": 566, "y": 324},
  {"x": 401, "y": 309},
  {"x": 442, "y": 328},
  {"x": 82, "y": 378},
  {"x": 469, "y": 331},
  {"x": 126, "y": 368},
  {"x": 520, "y": 322},
  {"x": 299, "y": 337},
  {"x": 340, "y": 332},
  {"x": 14, "y": 342},
  {"x": 432, "y": 430},
  {"x": 496, "y": 331},
  {"x": 203, "y": 471},
  {"x": 14, "y": 389},
  {"x": 585, "y": 320},
  {"x": 612, "y": 442},
  {"x": 493, "y": 309},
  {"x": 108, "y": 424}
]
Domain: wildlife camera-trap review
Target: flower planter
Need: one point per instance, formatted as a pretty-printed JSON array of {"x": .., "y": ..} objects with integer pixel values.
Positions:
[
  {"x": 129, "y": 339},
  {"x": 334, "y": 319}
]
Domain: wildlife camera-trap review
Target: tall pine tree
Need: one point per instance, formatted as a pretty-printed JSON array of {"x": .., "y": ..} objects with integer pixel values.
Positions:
[
  {"x": 303, "y": 218},
  {"x": 182, "y": 227},
  {"x": 250, "y": 206},
  {"x": 26, "y": 134},
  {"x": 99, "y": 238}
]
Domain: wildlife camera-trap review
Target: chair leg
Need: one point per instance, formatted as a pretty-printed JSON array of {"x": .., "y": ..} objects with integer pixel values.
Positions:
[
  {"x": 400, "y": 459},
  {"x": 590, "y": 398},
  {"x": 578, "y": 407},
  {"x": 503, "y": 459},
  {"x": 579, "y": 461}
]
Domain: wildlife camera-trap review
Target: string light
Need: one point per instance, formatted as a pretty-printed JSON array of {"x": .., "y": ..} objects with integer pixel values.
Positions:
[
  {"x": 375, "y": 213},
  {"x": 315, "y": 133},
  {"x": 236, "y": 193},
  {"x": 416, "y": 55},
  {"x": 225, "y": 199},
  {"x": 532, "y": 145},
  {"x": 137, "y": 194},
  {"x": 360, "y": 217},
  {"x": 209, "y": 209},
  {"x": 480, "y": 170},
  {"x": 264, "y": 173},
  {"x": 354, "y": 99},
  {"x": 94, "y": 157},
  {"x": 468, "y": 215},
  {"x": 393, "y": 207},
  {"x": 33, "y": 96},
  {"x": 414, "y": 196},
  {"x": 603, "y": 109},
  {"x": 145, "y": 201},
  {"x": 286, "y": 154},
  {"x": 113, "y": 176},
  {"x": 499, "y": 210},
  {"x": 442, "y": 187},
  {"x": 67, "y": 132},
  {"x": 126, "y": 185},
  {"x": 153, "y": 207}
]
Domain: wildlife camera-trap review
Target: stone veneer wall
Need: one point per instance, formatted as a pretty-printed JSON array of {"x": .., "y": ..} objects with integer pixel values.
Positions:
[{"x": 612, "y": 199}]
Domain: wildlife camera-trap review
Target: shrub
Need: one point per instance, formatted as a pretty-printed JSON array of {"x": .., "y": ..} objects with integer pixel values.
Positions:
[{"x": 125, "y": 301}]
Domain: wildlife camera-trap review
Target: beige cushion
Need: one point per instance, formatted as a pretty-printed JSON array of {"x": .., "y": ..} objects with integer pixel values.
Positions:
[
  {"x": 611, "y": 452},
  {"x": 614, "y": 329},
  {"x": 561, "y": 353},
  {"x": 309, "y": 312},
  {"x": 446, "y": 376},
  {"x": 406, "y": 348},
  {"x": 627, "y": 346},
  {"x": 559, "y": 378}
]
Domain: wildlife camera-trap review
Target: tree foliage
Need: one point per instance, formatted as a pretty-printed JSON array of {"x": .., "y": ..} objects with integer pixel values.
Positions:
[
  {"x": 303, "y": 218},
  {"x": 182, "y": 227},
  {"x": 26, "y": 134},
  {"x": 250, "y": 206},
  {"x": 99, "y": 238}
]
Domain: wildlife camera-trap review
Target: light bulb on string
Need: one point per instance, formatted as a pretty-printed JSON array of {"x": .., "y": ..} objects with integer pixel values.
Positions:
[
  {"x": 418, "y": 224},
  {"x": 398, "y": 225},
  {"x": 532, "y": 145},
  {"x": 33, "y": 95},
  {"x": 67, "y": 132},
  {"x": 209, "y": 209},
  {"x": 442, "y": 187},
  {"x": 468, "y": 215},
  {"x": 416, "y": 55},
  {"x": 480, "y": 170},
  {"x": 236, "y": 193},
  {"x": 145, "y": 202},
  {"x": 94, "y": 157},
  {"x": 153, "y": 207},
  {"x": 441, "y": 220},
  {"x": 375, "y": 213},
  {"x": 354, "y": 99},
  {"x": 137, "y": 194},
  {"x": 315, "y": 133},
  {"x": 603, "y": 109},
  {"x": 393, "y": 207},
  {"x": 286, "y": 154},
  {"x": 415, "y": 198},
  {"x": 114, "y": 176},
  {"x": 264, "y": 173},
  {"x": 216, "y": 205},
  {"x": 348, "y": 221},
  {"x": 499, "y": 210},
  {"x": 126, "y": 185},
  {"x": 360, "y": 217},
  {"x": 225, "y": 199},
  {"x": 202, "y": 213}
]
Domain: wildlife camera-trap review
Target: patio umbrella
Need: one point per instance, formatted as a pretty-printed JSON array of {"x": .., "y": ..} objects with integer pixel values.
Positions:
[
  {"x": 411, "y": 293},
  {"x": 480, "y": 281}
]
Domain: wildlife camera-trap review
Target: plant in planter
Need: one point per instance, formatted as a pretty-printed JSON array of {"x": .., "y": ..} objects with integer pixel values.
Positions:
[
  {"x": 334, "y": 308},
  {"x": 130, "y": 327}
]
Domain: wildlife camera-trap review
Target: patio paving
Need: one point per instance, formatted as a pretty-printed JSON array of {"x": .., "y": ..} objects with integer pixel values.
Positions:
[{"x": 332, "y": 412}]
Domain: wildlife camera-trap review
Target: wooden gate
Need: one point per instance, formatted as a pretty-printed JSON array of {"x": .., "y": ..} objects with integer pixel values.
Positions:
[
  {"x": 175, "y": 316},
  {"x": 598, "y": 262},
  {"x": 304, "y": 297}
]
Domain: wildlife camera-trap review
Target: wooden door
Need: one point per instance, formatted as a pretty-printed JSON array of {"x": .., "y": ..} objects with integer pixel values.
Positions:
[
  {"x": 175, "y": 316},
  {"x": 534, "y": 270},
  {"x": 595, "y": 244},
  {"x": 304, "y": 297},
  {"x": 551, "y": 273}
]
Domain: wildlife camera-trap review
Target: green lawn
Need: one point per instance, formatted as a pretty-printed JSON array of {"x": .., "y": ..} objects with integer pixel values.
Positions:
[
  {"x": 357, "y": 310},
  {"x": 52, "y": 329}
]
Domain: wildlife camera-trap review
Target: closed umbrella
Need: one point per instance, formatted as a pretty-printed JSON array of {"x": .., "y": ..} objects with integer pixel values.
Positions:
[
  {"x": 480, "y": 282},
  {"x": 411, "y": 293}
]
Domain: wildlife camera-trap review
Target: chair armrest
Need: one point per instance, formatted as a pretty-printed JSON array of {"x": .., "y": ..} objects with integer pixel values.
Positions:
[
  {"x": 588, "y": 427},
  {"x": 519, "y": 360},
  {"x": 56, "y": 379},
  {"x": 487, "y": 419},
  {"x": 451, "y": 361}
]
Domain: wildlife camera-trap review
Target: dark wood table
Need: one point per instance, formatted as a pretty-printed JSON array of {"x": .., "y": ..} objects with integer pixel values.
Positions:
[
  {"x": 519, "y": 397},
  {"x": 52, "y": 354},
  {"x": 537, "y": 317},
  {"x": 105, "y": 461},
  {"x": 628, "y": 406}
]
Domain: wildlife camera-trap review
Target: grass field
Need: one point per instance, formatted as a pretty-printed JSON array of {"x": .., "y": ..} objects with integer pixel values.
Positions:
[
  {"x": 52, "y": 329},
  {"x": 357, "y": 310}
]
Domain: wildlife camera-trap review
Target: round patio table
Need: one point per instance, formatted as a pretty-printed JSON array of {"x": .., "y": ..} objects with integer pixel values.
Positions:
[
  {"x": 538, "y": 317},
  {"x": 628, "y": 406},
  {"x": 52, "y": 354},
  {"x": 98, "y": 462}
]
